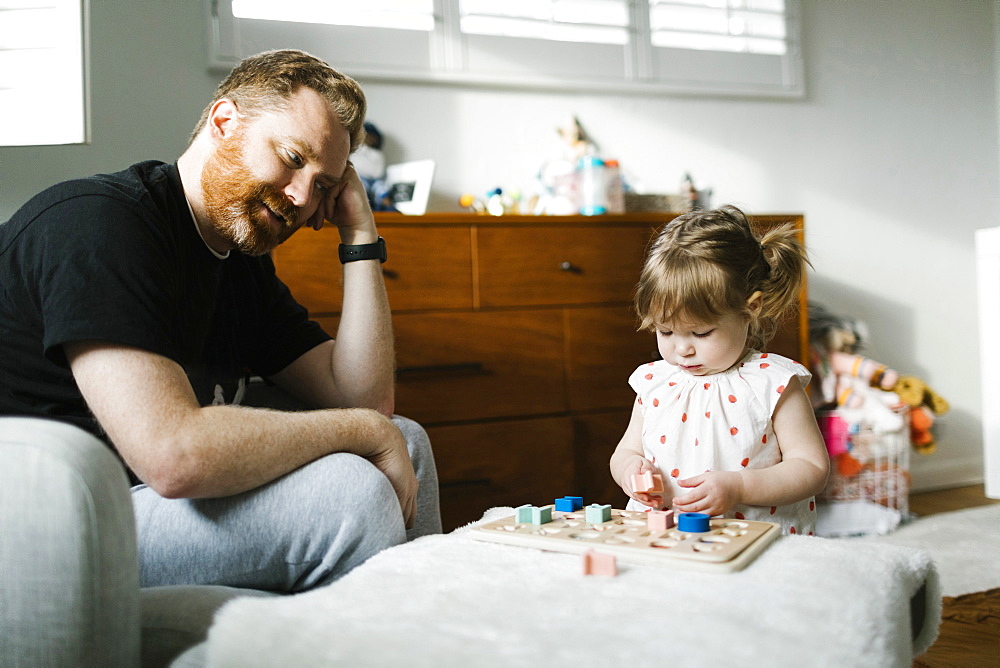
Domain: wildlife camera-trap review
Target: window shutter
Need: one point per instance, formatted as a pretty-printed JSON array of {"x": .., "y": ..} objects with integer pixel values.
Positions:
[
  {"x": 42, "y": 75},
  {"x": 736, "y": 47}
]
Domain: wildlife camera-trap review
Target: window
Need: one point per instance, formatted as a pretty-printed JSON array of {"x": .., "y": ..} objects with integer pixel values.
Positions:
[
  {"x": 42, "y": 73},
  {"x": 736, "y": 47}
]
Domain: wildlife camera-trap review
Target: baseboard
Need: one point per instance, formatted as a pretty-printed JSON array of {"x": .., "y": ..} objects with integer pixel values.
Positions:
[{"x": 932, "y": 473}]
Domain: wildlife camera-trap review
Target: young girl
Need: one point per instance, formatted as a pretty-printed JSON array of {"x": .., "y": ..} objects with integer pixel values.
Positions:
[{"x": 730, "y": 430}]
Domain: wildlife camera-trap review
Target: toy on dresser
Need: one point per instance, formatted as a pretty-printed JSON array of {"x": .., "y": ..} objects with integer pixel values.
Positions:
[{"x": 692, "y": 541}]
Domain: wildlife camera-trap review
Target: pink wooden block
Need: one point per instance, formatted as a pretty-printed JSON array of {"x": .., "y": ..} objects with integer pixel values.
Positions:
[
  {"x": 649, "y": 482},
  {"x": 659, "y": 520},
  {"x": 596, "y": 563}
]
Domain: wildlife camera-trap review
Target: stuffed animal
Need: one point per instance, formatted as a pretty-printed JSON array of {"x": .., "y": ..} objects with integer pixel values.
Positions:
[
  {"x": 915, "y": 392},
  {"x": 848, "y": 381},
  {"x": 924, "y": 404},
  {"x": 921, "y": 421}
]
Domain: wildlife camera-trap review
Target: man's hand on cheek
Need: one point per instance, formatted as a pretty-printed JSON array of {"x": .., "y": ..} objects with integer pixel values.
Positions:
[
  {"x": 346, "y": 206},
  {"x": 352, "y": 215}
]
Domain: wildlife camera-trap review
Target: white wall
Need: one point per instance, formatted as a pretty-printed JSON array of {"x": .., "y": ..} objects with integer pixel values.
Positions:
[{"x": 892, "y": 157}]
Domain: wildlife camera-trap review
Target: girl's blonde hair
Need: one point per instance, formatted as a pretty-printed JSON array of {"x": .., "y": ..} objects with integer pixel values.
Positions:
[{"x": 706, "y": 264}]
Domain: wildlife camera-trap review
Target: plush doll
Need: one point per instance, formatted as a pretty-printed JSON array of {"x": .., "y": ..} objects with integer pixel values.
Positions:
[
  {"x": 829, "y": 334},
  {"x": 874, "y": 373},
  {"x": 924, "y": 404},
  {"x": 578, "y": 143}
]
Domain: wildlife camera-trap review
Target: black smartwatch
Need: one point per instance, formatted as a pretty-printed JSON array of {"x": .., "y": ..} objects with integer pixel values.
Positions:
[{"x": 375, "y": 251}]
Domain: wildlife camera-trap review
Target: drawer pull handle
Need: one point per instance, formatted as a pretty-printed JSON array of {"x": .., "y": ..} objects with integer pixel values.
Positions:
[
  {"x": 570, "y": 267},
  {"x": 460, "y": 369}
]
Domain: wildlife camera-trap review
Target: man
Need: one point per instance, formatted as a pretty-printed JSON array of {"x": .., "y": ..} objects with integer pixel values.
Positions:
[{"x": 137, "y": 304}]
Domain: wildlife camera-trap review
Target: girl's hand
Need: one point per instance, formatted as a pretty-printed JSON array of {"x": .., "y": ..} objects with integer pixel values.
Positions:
[
  {"x": 634, "y": 465},
  {"x": 712, "y": 493}
]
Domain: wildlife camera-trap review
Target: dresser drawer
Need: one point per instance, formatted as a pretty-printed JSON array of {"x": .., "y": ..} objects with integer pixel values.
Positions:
[
  {"x": 557, "y": 264},
  {"x": 427, "y": 267},
  {"x": 506, "y": 463},
  {"x": 595, "y": 437},
  {"x": 465, "y": 366},
  {"x": 603, "y": 348}
]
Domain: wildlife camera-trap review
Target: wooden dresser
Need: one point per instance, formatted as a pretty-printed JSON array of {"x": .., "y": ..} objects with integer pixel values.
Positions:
[{"x": 514, "y": 342}]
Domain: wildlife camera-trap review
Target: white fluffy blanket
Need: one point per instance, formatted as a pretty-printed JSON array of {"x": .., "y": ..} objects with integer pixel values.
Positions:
[{"x": 450, "y": 600}]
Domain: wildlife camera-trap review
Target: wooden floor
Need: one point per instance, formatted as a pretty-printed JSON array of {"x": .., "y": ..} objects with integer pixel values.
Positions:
[
  {"x": 969, "y": 634},
  {"x": 946, "y": 500}
]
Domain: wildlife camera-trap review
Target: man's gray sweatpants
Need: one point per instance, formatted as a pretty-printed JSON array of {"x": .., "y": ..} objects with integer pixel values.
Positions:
[{"x": 301, "y": 531}]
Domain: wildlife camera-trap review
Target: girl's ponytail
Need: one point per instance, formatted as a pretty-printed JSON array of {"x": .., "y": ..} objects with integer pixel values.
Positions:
[{"x": 786, "y": 258}]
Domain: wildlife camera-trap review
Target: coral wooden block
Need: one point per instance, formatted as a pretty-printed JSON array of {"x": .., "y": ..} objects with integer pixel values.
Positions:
[
  {"x": 596, "y": 563},
  {"x": 648, "y": 482},
  {"x": 660, "y": 520}
]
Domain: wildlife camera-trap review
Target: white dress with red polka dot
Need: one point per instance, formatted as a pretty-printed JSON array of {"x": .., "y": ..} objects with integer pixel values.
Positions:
[{"x": 718, "y": 422}]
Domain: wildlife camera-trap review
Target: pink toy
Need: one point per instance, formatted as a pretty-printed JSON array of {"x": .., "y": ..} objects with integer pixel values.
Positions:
[
  {"x": 596, "y": 563},
  {"x": 835, "y": 431},
  {"x": 648, "y": 482},
  {"x": 660, "y": 520}
]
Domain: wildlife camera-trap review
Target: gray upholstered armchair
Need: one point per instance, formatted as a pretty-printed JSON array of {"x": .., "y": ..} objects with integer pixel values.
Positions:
[{"x": 70, "y": 591}]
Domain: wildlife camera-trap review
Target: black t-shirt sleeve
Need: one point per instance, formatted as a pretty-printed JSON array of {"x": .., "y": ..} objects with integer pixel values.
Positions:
[{"x": 104, "y": 275}]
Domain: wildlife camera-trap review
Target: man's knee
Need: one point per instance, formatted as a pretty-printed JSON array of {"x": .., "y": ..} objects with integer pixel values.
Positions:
[
  {"x": 428, "y": 519},
  {"x": 347, "y": 482},
  {"x": 419, "y": 446},
  {"x": 416, "y": 437}
]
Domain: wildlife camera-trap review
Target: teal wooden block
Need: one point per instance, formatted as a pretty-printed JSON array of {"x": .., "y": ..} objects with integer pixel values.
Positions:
[
  {"x": 541, "y": 515},
  {"x": 529, "y": 514},
  {"x": 596, "y": 513}
]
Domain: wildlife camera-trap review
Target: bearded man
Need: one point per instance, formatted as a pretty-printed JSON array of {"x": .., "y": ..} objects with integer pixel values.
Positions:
[{"x": 137, "y": 304}]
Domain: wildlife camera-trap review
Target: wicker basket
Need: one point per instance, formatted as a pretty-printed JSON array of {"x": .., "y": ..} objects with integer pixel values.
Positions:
[
  {"x": 869, "y": 486},
  {"x": 653, "y": 202}
]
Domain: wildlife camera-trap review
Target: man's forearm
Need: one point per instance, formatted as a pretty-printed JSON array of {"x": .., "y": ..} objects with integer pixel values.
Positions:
[
  {"x": 224, "y": 450},
  {"x": 146, "y": 405},
  {"x": 363, "y": 359}
]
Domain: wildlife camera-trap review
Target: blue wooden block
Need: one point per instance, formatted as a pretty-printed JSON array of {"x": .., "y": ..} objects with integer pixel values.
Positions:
[
  {"x": 524, "y": 513},
  {"x": 568, "y": 504},
  {"x": 596, "y": 513}
]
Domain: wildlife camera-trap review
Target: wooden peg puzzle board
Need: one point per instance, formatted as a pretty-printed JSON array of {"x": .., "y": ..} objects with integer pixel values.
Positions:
[{"x": 729, "y": 544}]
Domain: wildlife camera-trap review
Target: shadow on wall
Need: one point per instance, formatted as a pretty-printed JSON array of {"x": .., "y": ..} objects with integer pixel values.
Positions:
[
  {"x": 891, "y": 339},
  {"x": 890, "y": 324}
]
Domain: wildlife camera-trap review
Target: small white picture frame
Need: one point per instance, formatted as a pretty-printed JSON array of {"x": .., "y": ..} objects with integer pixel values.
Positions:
[{"x": 408, "y": 185}]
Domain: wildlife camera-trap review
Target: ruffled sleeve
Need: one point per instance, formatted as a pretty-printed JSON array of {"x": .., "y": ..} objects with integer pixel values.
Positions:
[
  {"x": 655, "y": 377},
  {"x": 768, "y": 374}
]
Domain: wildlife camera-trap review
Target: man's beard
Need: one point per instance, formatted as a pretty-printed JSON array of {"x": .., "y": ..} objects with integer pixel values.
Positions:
[{"x": 233, "y": 200}]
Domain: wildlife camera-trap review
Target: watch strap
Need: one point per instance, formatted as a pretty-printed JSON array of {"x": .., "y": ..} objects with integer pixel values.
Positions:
[{"x": 355, "y": 252}]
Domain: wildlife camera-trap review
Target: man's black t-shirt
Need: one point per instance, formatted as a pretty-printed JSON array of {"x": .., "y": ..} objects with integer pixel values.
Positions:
[{"x": 118, "y": 258}]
